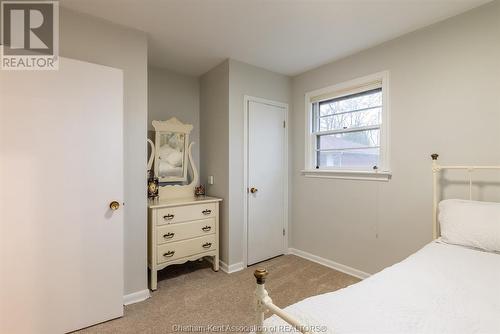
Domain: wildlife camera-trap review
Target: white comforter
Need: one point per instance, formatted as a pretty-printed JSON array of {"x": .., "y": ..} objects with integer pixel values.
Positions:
[{"x": 440, "y": 289}]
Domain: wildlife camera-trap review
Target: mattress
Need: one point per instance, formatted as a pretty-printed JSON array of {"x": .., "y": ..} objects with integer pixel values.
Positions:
[{"x": 440, "y": 289}]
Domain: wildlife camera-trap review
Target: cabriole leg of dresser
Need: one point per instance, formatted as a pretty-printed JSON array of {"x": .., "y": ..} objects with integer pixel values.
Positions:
[
  {"x": 154, "y": 279},
  {"x": 215, "y": 265}
]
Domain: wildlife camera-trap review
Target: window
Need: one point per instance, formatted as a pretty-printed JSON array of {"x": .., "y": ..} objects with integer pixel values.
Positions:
[{"x": 347, "y": 130}]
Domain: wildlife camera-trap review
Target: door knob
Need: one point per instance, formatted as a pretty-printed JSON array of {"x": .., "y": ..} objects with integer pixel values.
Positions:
[
  {"x": 253, "y": 190},
  {"x": 114, "y": 205}
]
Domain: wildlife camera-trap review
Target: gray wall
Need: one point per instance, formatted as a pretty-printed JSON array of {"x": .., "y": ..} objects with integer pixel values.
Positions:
[
  {"x": 175, "y": 95},
  {"x": 89, "y": 39},
  {"x": 444, "y": 95},
  {"x": 214, "y": 139},
  {"x": 222, "y": 92},
  {"x": 245, "y": 79}
]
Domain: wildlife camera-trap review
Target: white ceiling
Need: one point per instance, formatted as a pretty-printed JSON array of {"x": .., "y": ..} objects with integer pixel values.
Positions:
[{"x": 289, "y": 37}]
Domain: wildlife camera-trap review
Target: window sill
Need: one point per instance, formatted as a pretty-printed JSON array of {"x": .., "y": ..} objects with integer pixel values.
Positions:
[{"x": 348, "y": 175}]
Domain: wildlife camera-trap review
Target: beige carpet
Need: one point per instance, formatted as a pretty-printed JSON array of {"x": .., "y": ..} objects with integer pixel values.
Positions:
[{"x": 193, "y": 294}]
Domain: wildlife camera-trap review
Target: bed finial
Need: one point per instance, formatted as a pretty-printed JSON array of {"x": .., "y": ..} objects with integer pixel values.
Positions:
[
  {"x": 260, "y": 274},
  {"x": 434, "y": 156}
]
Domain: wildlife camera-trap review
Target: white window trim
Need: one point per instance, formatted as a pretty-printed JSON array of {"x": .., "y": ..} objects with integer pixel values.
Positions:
[{"x": 384, "y": 173}]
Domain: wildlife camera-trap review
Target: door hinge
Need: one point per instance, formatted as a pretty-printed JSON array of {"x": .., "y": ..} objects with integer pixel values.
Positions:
[
  {"x": 283, "y": 232},
  {"x": 284, "y": 124}
]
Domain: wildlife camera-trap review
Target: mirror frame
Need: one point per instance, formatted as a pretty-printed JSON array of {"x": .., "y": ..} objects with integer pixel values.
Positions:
[{"x": 172, "y": 125}]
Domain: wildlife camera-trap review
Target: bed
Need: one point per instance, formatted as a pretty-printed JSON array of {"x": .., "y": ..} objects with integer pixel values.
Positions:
[{"x": 442, "y": 288}]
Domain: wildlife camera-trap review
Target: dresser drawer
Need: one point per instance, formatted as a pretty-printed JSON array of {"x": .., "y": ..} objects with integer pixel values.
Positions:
[
  {"x": 176, "y": 250},
  {"x": 175, "y": 232},
  {"x": 185, "y": 213}
]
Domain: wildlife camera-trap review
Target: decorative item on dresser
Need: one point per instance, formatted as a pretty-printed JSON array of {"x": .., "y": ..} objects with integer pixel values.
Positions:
[
  {"x": 199, "y": 190},
  {"x": 153, "y": 181},
  {"x": 152, "y": 186},
  {"x": 182, "y": 230}
]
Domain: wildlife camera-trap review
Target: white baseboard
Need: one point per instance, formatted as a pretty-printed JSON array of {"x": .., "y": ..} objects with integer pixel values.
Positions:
[
  {"x": 232, "y": 268},
  {"x": 329, "y": 263},
  {"x": 136, "y": 297}
]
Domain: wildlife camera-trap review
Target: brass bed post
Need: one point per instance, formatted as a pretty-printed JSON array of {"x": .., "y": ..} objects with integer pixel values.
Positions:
[
  {"x": 435, "y": 171},
  {"x": 261, "y": 296},
  {"x": 264, "y": 303}
]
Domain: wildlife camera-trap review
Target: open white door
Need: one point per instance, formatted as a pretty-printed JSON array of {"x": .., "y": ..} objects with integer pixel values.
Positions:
[
  {"x": 61, "y": 164},
  {"x": 266, "y": 180}
]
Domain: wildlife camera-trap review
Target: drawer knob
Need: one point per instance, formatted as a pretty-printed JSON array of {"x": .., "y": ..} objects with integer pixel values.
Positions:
[
  {"x": 168, "y": 217},
  {"x": 169, "y": 235},
  {"x": 169, "y": 254},
  {"x": 206, "y": 228},
  {"x": 207, "y": 245},
  {"x": 206, "y": 212}
]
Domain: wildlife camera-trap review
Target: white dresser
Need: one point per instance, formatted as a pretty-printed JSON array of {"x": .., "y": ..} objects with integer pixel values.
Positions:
[{"x": 181, "y": 230}]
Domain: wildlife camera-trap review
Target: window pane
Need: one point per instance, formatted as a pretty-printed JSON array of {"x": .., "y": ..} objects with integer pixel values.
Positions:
[
  {"x": 350, "y": 120},
  {"x": 360, "y": 159},
  {"x": 367, "y": 138},
  {"x": 369, "y": 99}
]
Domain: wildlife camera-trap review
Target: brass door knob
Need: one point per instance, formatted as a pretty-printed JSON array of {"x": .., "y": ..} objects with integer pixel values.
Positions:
[
  {"x": 253, "y": 190},
  {"x": 114, "y": 205}
]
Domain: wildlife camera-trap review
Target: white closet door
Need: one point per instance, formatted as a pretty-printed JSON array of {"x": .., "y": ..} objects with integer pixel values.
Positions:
[
  {"x": 266, "y": 181},
  {"x": 61, "y": 164}
]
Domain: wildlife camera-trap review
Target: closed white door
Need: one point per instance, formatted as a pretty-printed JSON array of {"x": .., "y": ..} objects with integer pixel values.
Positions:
[
  {"x": 266, "y": 181},
  {"x": 61, "y": 164}
]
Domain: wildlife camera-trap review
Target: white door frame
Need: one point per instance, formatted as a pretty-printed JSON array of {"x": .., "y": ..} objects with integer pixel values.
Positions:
[{"x": 246, "y": 100}]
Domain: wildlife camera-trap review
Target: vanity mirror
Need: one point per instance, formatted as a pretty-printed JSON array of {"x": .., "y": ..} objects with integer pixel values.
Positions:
[{"x": 171, "y": 150}]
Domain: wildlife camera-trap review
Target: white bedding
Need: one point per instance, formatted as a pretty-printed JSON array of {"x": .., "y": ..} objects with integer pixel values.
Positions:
[{"x": 440, "y": 289}]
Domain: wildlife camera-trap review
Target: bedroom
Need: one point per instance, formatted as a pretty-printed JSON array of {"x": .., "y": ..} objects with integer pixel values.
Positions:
[{"x": 433, "y": 69}]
